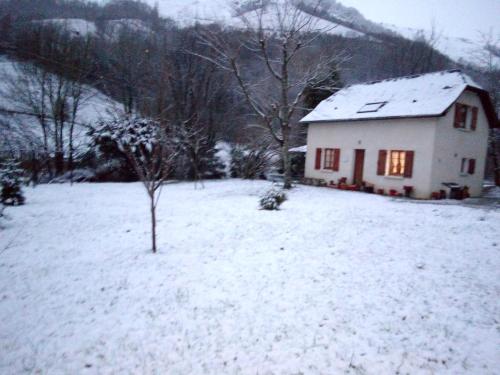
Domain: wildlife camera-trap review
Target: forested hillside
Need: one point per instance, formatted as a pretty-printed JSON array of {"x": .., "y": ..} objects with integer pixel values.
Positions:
[{"x": 164, "y": 68}]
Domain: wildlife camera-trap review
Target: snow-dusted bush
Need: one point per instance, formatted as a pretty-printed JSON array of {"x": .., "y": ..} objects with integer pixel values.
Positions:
[
  {"x": 272, "y": 199},
  {"x": 210, "y": 165},
  {"x": 11, "y": 178},
  {"x": 223, "y": 153}
]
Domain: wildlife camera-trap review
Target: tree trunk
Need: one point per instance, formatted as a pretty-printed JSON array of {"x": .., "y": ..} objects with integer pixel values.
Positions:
[
  {"x": 495, "y": 157},
  {"x": 285, "y": 119},
  {"x": 153, "y": 221},
  {"x": 59, "y": 162},
  {"x": 287, "y": 178},
  {"x": 71, "y": 150}
]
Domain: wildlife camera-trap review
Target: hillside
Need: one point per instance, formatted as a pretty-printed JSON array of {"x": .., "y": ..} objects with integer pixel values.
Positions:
[
  {"x": 458, "y": 49},
  {"x": 351, "y": 23},
  {"x": 19, "y": 126}
]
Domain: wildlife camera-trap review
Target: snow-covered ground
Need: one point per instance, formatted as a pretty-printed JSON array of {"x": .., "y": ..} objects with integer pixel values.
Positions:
[{"x": 336, "y": 282}]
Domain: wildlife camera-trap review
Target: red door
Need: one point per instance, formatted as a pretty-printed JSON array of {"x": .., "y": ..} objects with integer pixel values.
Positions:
[{"x": 359, "y": 162}]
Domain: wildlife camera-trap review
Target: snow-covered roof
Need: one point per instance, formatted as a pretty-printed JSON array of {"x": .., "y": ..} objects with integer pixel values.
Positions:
[
  {"x": 299, "y": 149},
  {"x": 423, "y": 95}
]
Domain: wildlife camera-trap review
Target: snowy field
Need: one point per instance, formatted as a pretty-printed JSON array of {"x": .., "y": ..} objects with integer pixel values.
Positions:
[{"x": 336, "y": 282}]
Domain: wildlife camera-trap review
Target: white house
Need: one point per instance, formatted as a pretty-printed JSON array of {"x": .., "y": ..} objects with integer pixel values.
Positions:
[{"x": 424, "y": 132}]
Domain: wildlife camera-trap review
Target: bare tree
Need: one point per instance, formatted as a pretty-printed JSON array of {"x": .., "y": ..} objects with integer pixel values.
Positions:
[
  {"x": 54, "y": 101},
  {"x": 147, "y": 146},
  {"x": 26, "y": 88},
  {"x": 52, "y": 90},
  {"x": 279, "y": 35},
  {"x": 488, "y": 59},
  {"x": 126, "y": 64},
  {"x": 195, "y": 95}
]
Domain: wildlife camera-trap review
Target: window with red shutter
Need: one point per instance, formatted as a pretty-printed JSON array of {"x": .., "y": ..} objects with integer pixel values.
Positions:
[
  {"x": 460, "y": 116},
  {"x": 472, "y": 166},
  {"x": 468, "y": 166},
  {"x": 328, "y": 160},
  {"x": 473, "y": 124},
  {"x": 463, "y": 168},
  {"x": 382, "y": 157},
  {"x": 331, "y": 160},
  {"x": 317, "y": 164},
  {"x": 408, "y": 167},
  {"x": 397, "y": 162},
  {"x": 336, "y": 159}
]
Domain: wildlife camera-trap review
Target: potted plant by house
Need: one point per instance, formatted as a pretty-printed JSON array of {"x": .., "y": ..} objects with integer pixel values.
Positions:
[{"x": 408, "y": 190}]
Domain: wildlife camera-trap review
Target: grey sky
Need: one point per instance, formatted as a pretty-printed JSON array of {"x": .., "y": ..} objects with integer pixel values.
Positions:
[{"x": 463, "y": 18}]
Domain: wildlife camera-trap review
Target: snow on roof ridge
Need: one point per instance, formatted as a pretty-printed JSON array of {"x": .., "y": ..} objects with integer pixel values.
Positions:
[{"x": 418, "y": 75}]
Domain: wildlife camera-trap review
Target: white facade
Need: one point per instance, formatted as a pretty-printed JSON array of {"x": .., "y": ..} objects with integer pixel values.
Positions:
[{"x": 438, "y": 149}]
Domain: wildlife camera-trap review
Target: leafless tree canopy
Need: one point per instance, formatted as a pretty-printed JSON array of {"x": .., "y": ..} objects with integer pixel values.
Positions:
[{"x": 278, "y": 35}]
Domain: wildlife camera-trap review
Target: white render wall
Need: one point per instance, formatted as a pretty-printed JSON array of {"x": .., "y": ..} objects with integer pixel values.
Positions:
[
  {"x": 374, "y": 135},
  {"x": 451, "y": 145}
]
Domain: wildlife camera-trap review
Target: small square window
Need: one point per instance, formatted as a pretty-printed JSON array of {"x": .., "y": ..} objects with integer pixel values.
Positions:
[{"x": 371, "y": 107}]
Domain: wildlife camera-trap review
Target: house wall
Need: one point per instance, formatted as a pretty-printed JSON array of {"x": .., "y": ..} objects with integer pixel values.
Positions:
[
  {"x": 397, "y": 134},
  {"x": 451, "y": 145}
]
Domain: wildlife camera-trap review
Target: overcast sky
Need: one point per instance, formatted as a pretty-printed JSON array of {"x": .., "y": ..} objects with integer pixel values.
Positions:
[{"x": 461, "y": 18}]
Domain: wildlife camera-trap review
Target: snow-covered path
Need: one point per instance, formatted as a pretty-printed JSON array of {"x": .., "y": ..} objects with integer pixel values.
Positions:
[{"x": 336, "y": 282}]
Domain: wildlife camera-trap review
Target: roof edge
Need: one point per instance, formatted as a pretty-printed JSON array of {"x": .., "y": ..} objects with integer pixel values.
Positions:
[
  {"x": 372, "y": 118},
  {"x": 484, "y": 96},
  {"x": 489, "y": 108}
]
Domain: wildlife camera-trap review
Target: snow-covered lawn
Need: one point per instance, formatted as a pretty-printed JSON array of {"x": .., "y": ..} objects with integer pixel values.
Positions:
[{"x": 336, "y": 282}]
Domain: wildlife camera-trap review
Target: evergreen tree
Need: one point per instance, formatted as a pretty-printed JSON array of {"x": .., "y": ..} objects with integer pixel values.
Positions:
[
  {"x": 11, "y": 178},
  {"x": 319, "y": 91}
]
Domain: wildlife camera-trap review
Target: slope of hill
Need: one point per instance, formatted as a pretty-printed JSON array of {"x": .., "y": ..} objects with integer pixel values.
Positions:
[
  {"x": 351, "y": 23},
  {"x": 458, "y": 49},
  {"x": 19, "y": 127},
  {"x": 75, "y": 26},
  {"x": 225, "y": 12}
]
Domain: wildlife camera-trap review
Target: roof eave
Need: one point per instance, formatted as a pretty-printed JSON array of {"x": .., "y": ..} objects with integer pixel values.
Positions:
[
  {"x": 484, "y": 96},
  {"x": 372, "y": 118},
  {"x": 488, "y": 106}
]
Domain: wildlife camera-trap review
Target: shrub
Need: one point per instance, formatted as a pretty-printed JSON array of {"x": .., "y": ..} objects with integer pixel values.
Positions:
[
  {"x": 272, "y": 199},
  {"x": 249, "y": 163},
  {"x": 11, "y": 178}
]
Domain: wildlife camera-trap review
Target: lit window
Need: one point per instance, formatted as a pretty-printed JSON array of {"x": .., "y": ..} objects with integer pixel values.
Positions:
[
  {"x": 397, "y": 163},
  {"x": 372, "y": 107}
]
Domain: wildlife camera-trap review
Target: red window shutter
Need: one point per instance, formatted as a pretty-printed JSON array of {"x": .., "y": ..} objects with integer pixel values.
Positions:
[
  {"x": 409, "y": 157},
  {"x": 336, "y": 159},
  {"x": 474, "y": 118},
  {"x": 459, "y": 114},
  {"x": 318, "y": 159},
  {"x": 382, "y": 157},
  {"x": 472, "y": 166}
]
